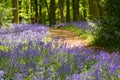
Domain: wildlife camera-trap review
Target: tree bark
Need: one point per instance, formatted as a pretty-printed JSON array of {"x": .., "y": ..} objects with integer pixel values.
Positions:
[
  {"x": 61, "y": 7},
  {"x": 77, "y": 10},
  {"x": 52, "y": 13},
  {"x": 36, "y": 9},
  {"x": 68, "y": 11},
  {"x": 15, "y": 5},
  {"x": 40, "y": 11},
  {"x": 75, "y": 7},
  {"x": 93, "y": 9}
]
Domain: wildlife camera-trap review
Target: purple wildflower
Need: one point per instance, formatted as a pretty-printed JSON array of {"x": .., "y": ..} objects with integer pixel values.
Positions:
[{"x": 1, "y": 74}]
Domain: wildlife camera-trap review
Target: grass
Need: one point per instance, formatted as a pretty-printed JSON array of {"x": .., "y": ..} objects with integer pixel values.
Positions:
[{"x": 82, "y": 33}]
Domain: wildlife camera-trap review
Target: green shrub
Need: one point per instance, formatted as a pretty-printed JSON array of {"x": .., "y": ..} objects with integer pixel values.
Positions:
[{"x": 107, "y": 32}]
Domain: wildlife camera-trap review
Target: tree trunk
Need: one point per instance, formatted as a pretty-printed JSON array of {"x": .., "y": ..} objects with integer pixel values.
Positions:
[
  {"x": 93, "y": 9},
  {"x": 52, "y": 13},
  {"x": 48, "y": 10},
  {"x": 77, "y": 10},
  {"x": 68, "y": 11},
  {"x": 61, "y": 7},
  {"x": 36, "y": 9},
  {"x": 40, "y": 11},
  {"x": 101, "y": 10},
  {"x": 31, "y": 8},
  {"x": 15, "y": 5},
  {"x": 75, "y": 7},
  {"x": 20, "y": 7},
  {"x": 74, "y": 12}
]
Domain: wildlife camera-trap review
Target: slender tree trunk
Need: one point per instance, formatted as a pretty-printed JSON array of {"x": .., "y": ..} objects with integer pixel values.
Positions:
[
  {"x": 68, "y": 11},
  {"x": 75, "y": 7},
  {"x": 36, "y": 8},
  {"x": 20, "y": 7},
  {"x": 52, "y": 13},
  {"x": 40, "y": 11},
  {"x": 48, "y": 10},
  {"x": 31, "y": 8},
  {"x": 84, "y": 10},
  {"x": 100, "y": 8},
  {"x": 74, "y": 11},
  {"x": 93, "y": 9},
  {"x": 15, "y": 5},
  {"x": 61, "y": 7},
  {"x": 77, "y": 10},
  {"x": 28, "y": 5},
  {"x": 84, "y": 14}
]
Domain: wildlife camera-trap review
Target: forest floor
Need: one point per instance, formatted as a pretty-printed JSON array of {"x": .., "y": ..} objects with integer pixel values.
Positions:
[{"x": 70, "y": 37}]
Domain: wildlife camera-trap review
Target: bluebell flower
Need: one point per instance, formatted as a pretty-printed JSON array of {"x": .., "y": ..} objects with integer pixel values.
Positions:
[{"x": 2, "y": 74}]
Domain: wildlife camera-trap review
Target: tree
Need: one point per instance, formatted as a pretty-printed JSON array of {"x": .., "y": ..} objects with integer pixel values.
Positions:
[
  {"x": 15, "y": 6},
  {"x": 52, "y": 13},
  {"x": 61, "y": 7},
  {"x": 68, "y": 11},
  {"x": 93, "y": 9},
  {"x": 36, "y": 8},
  {"x": 75, "y": 6},
  {"x": 100, "y": 6},
  {"x": 40, "y": 11},
  {"x": 77, "y": 10}
]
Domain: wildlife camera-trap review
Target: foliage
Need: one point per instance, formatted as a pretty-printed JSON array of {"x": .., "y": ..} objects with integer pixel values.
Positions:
[
  {"x": 37, "y": 60},
  {"x": 112, "y": 8},
  {"x": 5, "y": 15},
  {"x": 107, "y": 32}
]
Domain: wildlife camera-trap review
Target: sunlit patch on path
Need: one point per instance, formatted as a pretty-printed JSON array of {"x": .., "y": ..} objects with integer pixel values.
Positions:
[{"x": 70, "y": 37}]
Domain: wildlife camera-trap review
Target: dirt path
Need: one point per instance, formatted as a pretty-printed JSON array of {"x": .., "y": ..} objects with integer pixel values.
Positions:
[{"x": 70, "y": 37}]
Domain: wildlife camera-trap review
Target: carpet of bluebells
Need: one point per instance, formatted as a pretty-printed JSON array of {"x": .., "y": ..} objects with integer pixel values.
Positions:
[{"x": 27, "y": 54}]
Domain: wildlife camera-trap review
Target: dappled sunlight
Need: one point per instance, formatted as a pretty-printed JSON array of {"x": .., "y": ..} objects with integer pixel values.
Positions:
[{"x": 70, "y": 37}]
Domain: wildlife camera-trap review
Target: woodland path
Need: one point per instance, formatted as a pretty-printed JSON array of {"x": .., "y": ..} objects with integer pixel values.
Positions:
[{"x": 70, "y": 37}]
